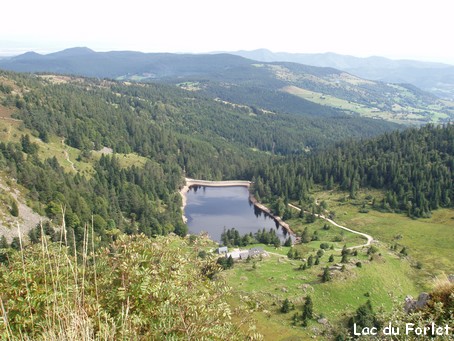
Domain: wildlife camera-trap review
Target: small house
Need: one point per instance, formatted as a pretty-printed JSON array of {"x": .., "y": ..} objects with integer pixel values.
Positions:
[{"x": 223, "y": 250}]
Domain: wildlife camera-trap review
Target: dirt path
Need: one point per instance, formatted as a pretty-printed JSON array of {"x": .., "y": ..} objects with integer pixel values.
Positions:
[
  {"x": 67, "y": 156},
  {"x": 276, "y": 254},
  {"x": 368, "y": 237},
  {"x": 10, "y": 119},
  {"x": 71, "y": 163}
]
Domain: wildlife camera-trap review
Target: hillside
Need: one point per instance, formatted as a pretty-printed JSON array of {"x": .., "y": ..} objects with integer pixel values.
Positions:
[
  {"x": 16, "y": 217},
  {"x": 105, "y": 160},
  {"x": 436, "y": 78},
  {"x": 57, "y": 127},
  {"x": 273, "y": 86},
  {"x": 413, "y": 167}
]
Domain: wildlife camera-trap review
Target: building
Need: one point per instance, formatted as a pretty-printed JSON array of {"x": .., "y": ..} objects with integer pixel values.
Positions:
[{"x": 223, "y": 250}]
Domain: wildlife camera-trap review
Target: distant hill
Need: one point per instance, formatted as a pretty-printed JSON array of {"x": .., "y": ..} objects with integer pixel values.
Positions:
[
  {"x": 86, "y": 62},
  {"x": 436, "y": 78},
  {"x": 283, "y": 87}
]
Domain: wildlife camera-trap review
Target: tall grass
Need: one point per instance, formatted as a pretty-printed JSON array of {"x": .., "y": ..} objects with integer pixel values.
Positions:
[
  {"x": 136, "y": 288},
  {"x": 53, "y": 284}
]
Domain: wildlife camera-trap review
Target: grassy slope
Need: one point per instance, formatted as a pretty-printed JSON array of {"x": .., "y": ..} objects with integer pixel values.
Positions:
[
  {"x": 11, "y": 130},
  {"x": 328, "y": 236},
  {"x": 399, "y": 114},
  {"x": 429, "y": 240},
  {"x": 275, "y": 278},
  {"x": 386, "y": 279}
]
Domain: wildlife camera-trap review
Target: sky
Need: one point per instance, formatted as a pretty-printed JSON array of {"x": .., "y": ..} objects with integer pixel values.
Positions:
[{"x": 397, "y": 29}]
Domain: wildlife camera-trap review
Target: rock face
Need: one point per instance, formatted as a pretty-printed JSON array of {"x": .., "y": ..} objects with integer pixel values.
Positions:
[
  {"x": 26, "y": 220},
  {"x": 411, "y": 304}
]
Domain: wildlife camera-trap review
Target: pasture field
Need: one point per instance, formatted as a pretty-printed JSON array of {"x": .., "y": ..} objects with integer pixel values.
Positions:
[{"x": 385, "y": 277}]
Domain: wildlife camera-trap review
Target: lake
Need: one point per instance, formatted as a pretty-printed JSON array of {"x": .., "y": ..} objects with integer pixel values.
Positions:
[{"x": 211, "y": 209}]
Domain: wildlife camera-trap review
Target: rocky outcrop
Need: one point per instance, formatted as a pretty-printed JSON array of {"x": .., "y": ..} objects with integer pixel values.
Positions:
[
  {"x": 27, "y": 219},
  {"x": 412, "y": 305}
]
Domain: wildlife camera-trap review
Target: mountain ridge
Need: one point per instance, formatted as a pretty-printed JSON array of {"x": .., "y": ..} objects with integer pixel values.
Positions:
[
  {"x": 244, "y": 81},
  {"x": 437, "y": 78}
]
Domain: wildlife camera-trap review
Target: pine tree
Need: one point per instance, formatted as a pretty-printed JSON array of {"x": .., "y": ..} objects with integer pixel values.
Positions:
[
  {"x": 286, "y": 306},
  {"x": 344, "y": 258},
  {"x": 310, "y": 261},
  {"x": 301, "y": 214},
  {"x": 326, "y": 277},
  {"x": 230, "y": 262},
  {"x": 308, "y": 313},
  {"x": 3, "y": 243},
  {"x": 345, "y": 251},
  {"x": 15, "y": 243},
  {"x": 305, "y": 237},
  {"x": 287, "y": 214},
  {"x": 364, "y": 317},
  {"x": 14, "y": 208}
]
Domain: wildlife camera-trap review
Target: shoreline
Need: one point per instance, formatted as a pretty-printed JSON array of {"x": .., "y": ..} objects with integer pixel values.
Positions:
[{"x": 229, "y": 183}]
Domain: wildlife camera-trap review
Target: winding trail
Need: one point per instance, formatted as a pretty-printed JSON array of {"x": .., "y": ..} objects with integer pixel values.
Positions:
[
  {"x": 368, "y": 237},
  {"x": 67, "y": 159},
  {"x": 67, "y": 156}
]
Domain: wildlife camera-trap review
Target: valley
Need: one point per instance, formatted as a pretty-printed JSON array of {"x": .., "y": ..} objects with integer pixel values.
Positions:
[{"x": 361, "y": 171}]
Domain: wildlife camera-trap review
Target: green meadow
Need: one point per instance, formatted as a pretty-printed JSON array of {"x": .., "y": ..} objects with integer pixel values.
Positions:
[
  {"x": 386, "y": 277},
  {"x": 264, "y": 284},
  {"x": 428, "y": 240}
]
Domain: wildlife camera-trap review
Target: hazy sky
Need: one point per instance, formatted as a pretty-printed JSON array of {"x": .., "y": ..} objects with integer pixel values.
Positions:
[{"x": 392, "y": 28}]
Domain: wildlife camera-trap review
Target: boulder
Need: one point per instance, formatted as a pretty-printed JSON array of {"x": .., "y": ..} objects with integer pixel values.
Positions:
[
  {"x": 422, "y": 300},
  {"x": 323, "y": 321},
  {"x": 411, "y": 304}
]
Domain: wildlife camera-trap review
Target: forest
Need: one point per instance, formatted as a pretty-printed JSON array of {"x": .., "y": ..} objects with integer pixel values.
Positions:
[
  {"x": 179, "y": 132},
  {"x": 414, "y": 168},
  {"x": 114, "y": 216},
  {"x": 182, "y": 133}
]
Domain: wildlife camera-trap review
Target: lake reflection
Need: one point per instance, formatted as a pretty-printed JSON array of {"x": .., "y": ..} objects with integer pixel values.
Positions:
[{"x": 211, "y": 209}]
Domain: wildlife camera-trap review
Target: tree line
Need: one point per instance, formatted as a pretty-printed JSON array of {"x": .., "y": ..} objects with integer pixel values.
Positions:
[{"x": 414, "y": 168}]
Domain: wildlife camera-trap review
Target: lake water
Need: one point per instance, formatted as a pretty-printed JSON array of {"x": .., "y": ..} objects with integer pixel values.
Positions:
[{"x": 211, "y": 209}]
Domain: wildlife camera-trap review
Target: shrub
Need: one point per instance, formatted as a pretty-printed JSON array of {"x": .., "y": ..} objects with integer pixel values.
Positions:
[
  {"x": 324, "y": 246},
  {"x": 14, "y": 209},
  {"x": 135, "y": 288}
]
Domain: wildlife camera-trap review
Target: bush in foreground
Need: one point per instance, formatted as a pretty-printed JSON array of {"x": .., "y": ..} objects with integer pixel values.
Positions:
[{"x": 136, "y": 288}]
